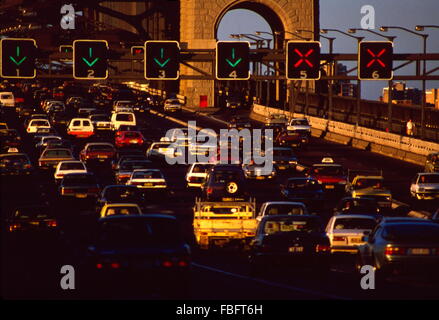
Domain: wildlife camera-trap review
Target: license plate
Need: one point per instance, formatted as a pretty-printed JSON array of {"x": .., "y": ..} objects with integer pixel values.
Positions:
[
  {"x": 295, "y": 249},
  {"x": 282, "y": 167},
  {"x": 260, "y": 178},
  {"x": 355, "y": 240},
  {"x": 81, "y": 195},
  {"x": 147, "y": 184},
  {"x": 102, "y": 157},
  {"x": 133, "y": 141},
  {"x": 329, "y": 187},
  {"x": 420, "y": 251}
]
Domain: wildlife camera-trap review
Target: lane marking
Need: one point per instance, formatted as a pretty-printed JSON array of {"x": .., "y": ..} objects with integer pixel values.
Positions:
[{"x": 270, "y": 283}]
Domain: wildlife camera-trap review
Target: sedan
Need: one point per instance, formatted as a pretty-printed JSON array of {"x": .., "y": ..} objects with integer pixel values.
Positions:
[
  {"x": 79, "y": 185},
  {"x": 305, "y": 190},
  {"x": 425, "y": 186}
]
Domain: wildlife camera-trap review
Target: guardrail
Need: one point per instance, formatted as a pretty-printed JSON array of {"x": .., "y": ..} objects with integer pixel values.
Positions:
[
  {"x": 390, "y": 144},
  {"x": 153, "y": 91}
]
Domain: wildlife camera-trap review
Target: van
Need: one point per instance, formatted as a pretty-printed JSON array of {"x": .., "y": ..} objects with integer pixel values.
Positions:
[
  {"x": 7, "y": 99},
  {"x": 80, "y": 127},
  {"x": 122, "y": 118}
]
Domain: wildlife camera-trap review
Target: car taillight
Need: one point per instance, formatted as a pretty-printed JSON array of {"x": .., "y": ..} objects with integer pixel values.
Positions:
[
  {"x": 182, "y": 263},
  {"x": 167, "y": 264},
  {"x": 99, "y": 265},
  {"x": 395, "y": 251},
  {"x": 323, "y": 248},
  {"x": 209, "y": 190},
  {"x": 115, "y": 265},
  {"x": 14, "y": 226},
  {"x": 52, "y": 223},
  {"x": 338, "y": 238},
  {"x": 65, "y": 191},
  {"x": 27, "y": 166},
  {"x": 250, "y": 234}
]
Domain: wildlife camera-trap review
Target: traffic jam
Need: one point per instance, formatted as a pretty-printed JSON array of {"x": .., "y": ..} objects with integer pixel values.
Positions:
[{"x": 88, "y": 180}]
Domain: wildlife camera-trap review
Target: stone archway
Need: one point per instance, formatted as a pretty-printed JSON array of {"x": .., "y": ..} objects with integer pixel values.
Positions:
[{"x": 199, "y": 20}]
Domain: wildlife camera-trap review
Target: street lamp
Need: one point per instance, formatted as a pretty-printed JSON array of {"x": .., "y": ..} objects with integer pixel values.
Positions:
[
  {"x": 422, "y": 27},
  {"x": 424, "y": 71},
  {"x": 354, "y": 30},
  {"x": 359, "y": 39}
]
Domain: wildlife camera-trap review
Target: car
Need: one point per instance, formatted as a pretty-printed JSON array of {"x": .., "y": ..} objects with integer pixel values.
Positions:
[
  {"x": 259, "y": 171},
  {"x": 425, "y": 186},
  {"x": 303, "y": 189},
  {"x": 54, "y": 106},
  {"x": 121, "y": 157},
  {"x": 50, "y": 157},
  {"x": 148, "y": 179},
  {"x": 225, "y": 182},
  {"x": 181, "y": 136},
  {"x": 282, "y": 208},
  {"x": 45, "y": 141},
  {"x": 33, "y": 218},
  {"x": 239, "y": 123},
  {"x": 119, "y": 209},
  {"x": 349, "y": 205},
  {"x": 129, "y": 139},
  {"x": 275, "y": 127},
  {"x": 60, "y": 118},
  {"x": 432, "y": 162},
  {"x": 7, "y": 99},
  {"x": 117, "y": 104},
  {"x": 233, "y": 102},
  {"x": 79, "y": 185},
  {"x": 126, "y": 168},
  {"x": 196, "y": 174},
  {"x": 80, "y": 128},
  {"x": 86, "y": 111},
  {"x": 408, "y": 248},
  {"x": 9, "y": 138},
  {"x": 67, "y": 167},
  {"x": 276, "y": 118},
  {"x": 293, "y": 240},
  {"x": 161, "y": 150},
  {"x": 149, "y": 249},
  {"x": 300, "y": 125},
  {"x": 172, "y": 105},
  {"x": 291, "y": 138},
  {"x": 97, "y": 152},
  {"x": 330, "y": 175},
  {"x": 4, "y": 126},
  {"x": 284, "y": 158},
  {"x": 25, "y": 111},
  {"x": 345, "y": 232},
  {"x": 101, "y": 122},
  {"x": 203, "y": 145},
  {"x": 141, "y": 107},
  {"x": 370, "y": 187},
  {"x": 15, "y": 164},
  {"x": 119, "y": 194},
  {"x": 35, "y": 124},
  {"x": 75, "y": 102},
  {"x": 121, "y": 118}
]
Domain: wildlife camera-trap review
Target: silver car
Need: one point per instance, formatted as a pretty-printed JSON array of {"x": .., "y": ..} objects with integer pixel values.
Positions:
[{"x": 425, "y": 186}]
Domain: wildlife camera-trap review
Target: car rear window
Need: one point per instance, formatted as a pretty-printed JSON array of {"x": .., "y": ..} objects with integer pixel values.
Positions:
[
  {"x": 14, "y": 158},
  {"x": 6, "y": 96},
  {"x": 429, "y": 178},
  {"x": 100, "y": 147},
  {"x": 33, "y": 213},
  {"x": 302, "y": 184},
  {"x": 291, "y": 225},
  {"x": 281, "y": 209},
  {"x": 201, "y": 168},
  {"x": 224, "y": 176},
  {"x": 132, "y": 165},
  {"x": 75, "y": 179},
  {"x": 57, "y": 154},
  {"x": 121, "y": 193},
  {"x": 354, "y": 223},
  {"x": 132, "y": 134},
  {"x": 299, "y": 123},
  {"x": 40, "y": 123},
  {"x": 72, "y": 166},
  {"x": 327, "y": 170},
  {"x": 148, "y": 175},
  {"x": 121, "y": 211},
  {"x": 412, "y": 232},
  {"x": 124, "y": 117},
  {"x": 161, "y": 145}
]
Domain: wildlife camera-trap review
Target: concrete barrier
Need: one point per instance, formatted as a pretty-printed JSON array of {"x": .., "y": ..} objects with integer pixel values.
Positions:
[
  {"x": 317, "y": 133},
  {"x": 335, "y": 137},
  {"x": 360, "y": 144}
]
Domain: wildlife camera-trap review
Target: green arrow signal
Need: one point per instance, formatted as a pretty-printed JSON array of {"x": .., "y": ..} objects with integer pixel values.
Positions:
[
  {"x": 233, "y": 58},
  {"x": 161, "y": 57},
  {"x": 18, "y": 53},
  {"x": 90, "y": 64}
]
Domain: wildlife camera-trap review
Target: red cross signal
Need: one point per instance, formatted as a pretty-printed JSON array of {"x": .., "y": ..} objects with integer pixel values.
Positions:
[
  {"x": 376, "y": 58},
  {"x": 303, "y": 58}
]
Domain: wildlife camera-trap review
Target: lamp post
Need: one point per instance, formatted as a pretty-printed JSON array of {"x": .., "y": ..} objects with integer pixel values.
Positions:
[
  {"x": 424, "y": 69},
  {"x": 390, "y": 82},
  {"x": 359, "y": 39}
]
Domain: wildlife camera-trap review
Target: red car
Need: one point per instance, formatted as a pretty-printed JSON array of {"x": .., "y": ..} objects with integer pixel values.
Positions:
[
  {"x": 98, "y": 152},
  {"x": 129, "y": 138},
  {"x": 291, "y": 138},
  {"x": 330, "y": 175}
]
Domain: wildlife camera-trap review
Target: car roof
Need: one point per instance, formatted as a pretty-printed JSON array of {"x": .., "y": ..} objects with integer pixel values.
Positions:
[
  {"x": 291, "y": 216},
  {"x": 285, "y": 202},
  {"x": 137, "y": 216},
  {"x": 140, "y": 170},
  {"x": 114, "y": 205},
  {"x": 99, "y": 144},
  {"x": 349, "y": 216}
]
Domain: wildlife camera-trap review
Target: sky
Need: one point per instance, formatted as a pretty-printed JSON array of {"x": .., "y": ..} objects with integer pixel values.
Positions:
[{"x": 345, "y": 14}]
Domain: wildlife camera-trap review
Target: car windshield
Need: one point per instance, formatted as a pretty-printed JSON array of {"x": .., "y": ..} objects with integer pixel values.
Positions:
[
  {"x": 40, "y": 123},
  {"x": 112, "y": 211},
  {"x": 291, "y": 225},
  {"x": 224, "y": 176},
  {"x": 33, "y": 213},
  {"x": 74, "y": 179},
  {"x": 72, "y": 166},
  {"x": 201, "y": 168},
  {"x": 429, "y": 178},
  {"x": 148, "y": 175},
  {"x": 132, "y": 134},
  {"x": 302, "y": 122},
  {"x": 358, "y": 203},
  {"x": 412, "y": 232},
  {"x": 139, "y": 232},
  {"x": 57, "y": 154},
  {"x": 327, "y": 170},
  {"x": 132, "y": 165},
  {"x": 124, "y": 117},
  {"x": 281, "y": 209},
  {"x": 100, "y": 147},
  {"x": 6, "y": 96},
  {"x": 283, "y": 153},
  {"x": 304, "y": 185},
  {"x": 121, "y": 193},
  {"x": 369, "y": 183},
  {"x": 354, "y": 223}
]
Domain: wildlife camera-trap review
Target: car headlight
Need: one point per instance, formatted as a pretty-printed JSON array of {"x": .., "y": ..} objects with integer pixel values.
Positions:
[
  {"x": 292, "y": 162},
  {"x": 388, "y": 198}
]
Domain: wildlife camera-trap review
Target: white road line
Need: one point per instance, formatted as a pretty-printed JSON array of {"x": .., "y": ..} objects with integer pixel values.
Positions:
[{"x": 270, "y": 283}]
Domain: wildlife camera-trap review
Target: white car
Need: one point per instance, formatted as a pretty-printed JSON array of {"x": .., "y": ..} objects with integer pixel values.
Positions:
[
  {"x": 122, "y": 118},
  {"x": 119, "y": 209},
  {"x": 282, "y": 208},
  {"x": 67, "y": 167},
  {"x": 123, "y": 104},
  {"x": 100, "y": 121},
  {"x": 276, "y": 118},
  {"x": 80, "y": 128},
  {"x": 172, "y": 105},
  {"x": 425, "y": 186},
  {"x": 42, "y": 143},
  {"x": 346, "y": 232},
  {"x": 160, "y": 150},
  {"x": 37, "y": 124},
  {"x": 299, "y": 125},
  {"x": 197, "y": 173},
  {"x": 147, "y": 178},
  {"x": 7, "y": 99}
]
